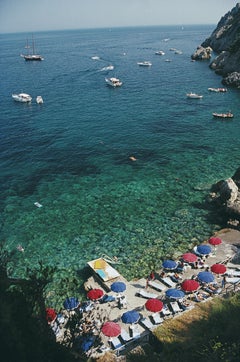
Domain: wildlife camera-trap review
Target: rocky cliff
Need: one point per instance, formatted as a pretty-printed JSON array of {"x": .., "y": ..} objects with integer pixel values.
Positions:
[{"x": 225, "y": 41}]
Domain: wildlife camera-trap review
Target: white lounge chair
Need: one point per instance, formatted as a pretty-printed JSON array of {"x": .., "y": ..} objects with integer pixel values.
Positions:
[
  {"x": 134, "y": 329},
  {"x": 143, "y": 293},
  {"x": 169, "y": 282},
  {"x": 147, "y": 323},
  {"x": 116, "y": 343},
  {"x": 125, "y": 335},
  {"x": 175, "y": 307},
  {"x": 166, "y": 311},
  {"x": 234, "y": 266},
  {"x": 156, "y": 318},
  {"x": 233, "y": 280},
  {"x": 233, "y": 273},
  {"x": 157, "y": 285}
]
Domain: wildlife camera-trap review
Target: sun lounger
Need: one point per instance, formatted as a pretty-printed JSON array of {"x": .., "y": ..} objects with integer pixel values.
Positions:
[
  {"x": 134, "y": 331},
  {"x": 147, "y": 323},
  {"x": 233, "y": 280},
  {"x": 157, "y": 285},
  {"x": 175, "y": 307},
  {"x": 143, "y": 293},
  {"x": 157, "y": 318},
  {"x": 125, "y": 335},
  {"x": 234, "y": 266},
  {"x": 169, "y": 282},
  {"x": 116, "y": 343},
  {"x": 233, "y": 273},
  {"x": 165, "y": 311}
]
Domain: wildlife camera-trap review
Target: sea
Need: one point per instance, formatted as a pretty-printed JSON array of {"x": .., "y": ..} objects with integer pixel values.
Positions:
[{"x": 123, "y": 172}]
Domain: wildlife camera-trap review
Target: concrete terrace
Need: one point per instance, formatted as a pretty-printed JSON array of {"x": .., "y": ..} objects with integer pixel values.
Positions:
[{"x": 100, "y": 313}]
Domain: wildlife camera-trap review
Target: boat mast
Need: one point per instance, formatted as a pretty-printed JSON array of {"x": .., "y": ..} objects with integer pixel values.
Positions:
[{"x": 33, "y": 48}]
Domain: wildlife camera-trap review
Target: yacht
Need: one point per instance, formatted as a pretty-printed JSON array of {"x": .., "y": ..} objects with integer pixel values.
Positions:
[
  {"x": 39, "y": 100},
  {"x": 194, "y": 95},
  {"x": 22, "y": 97},
  {"x": 145, "y": 64},
  {"x": 113, "y": 82},
  {"x": 160, "y": 52}
]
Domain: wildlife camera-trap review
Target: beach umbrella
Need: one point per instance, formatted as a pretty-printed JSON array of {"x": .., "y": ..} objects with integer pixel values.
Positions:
[
  {"x": 218, "y": 268},
  {"x": 51, "y": 315},
  {"x": 111, "y": 329},
  {"x": 86, "y": 343},
  {"x": 204, "y": 249},
  {"x": 131, "y": 316},
  {"x": 95, "y": 294},
  {"x": 154, "y": 305},
  {"x": 169, "y": 264},
  {"x": 174, "y": 293},
  {"x": 118, "y": 287},
  {"x": 206, "y": 277},
  {"x": 71, "y": 303},
  {"x": 189, "y": 257},
  {"x": 190, "y": 285},
  {"x": 215, "y": 241}
]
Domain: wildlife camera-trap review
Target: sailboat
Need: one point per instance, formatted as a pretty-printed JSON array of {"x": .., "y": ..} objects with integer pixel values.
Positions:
[{"x": 32, "y": 56}]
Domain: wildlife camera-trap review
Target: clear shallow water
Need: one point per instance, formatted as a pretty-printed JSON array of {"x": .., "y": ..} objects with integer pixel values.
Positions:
[{"x": 71, "y": 154}]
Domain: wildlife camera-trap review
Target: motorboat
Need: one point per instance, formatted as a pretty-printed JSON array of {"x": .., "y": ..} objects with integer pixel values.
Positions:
[
  {"x": 194, "y": 95},
  {"x": 33, "y": 55},
  {"x": 105, "y": 69},
  {"x": 222, "y": 90},
  {"x": 223, "y": 115},
  {"x": 160, "y": 52},
  {"x": 113, "y": 82},
  {"x": 145, "y": 64},
  {"x": 39, "y": 100},
  {"x": 22, "y": 97},
  {"x": 178, "y": 52}
]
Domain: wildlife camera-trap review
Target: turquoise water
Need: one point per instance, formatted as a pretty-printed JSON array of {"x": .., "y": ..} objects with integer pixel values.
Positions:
[{"x": 71, "y": 154}]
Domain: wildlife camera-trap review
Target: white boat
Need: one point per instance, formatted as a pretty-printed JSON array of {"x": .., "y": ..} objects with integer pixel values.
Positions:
[
  {"x": 39, "y": 100},
  {"x": 194, "y": 95},
  {"x": 223, "y": 115},
  {"x": 218, "y": 90},
  {"x": 22, "y": 97},
  {"x": 105, "y": 69},
  {"x": 178, "y": 52},
  {"x": 160, "y": 52},
  {"x": 146, "y": 63},
  {"x": 95, "y": 57},
  {"x": 32, "y": 56},
  {"x": 113, "y": 82}
]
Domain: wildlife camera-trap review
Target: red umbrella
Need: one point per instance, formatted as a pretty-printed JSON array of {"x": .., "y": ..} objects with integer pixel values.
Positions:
[
  {"x": 190, "y": 257},
  {"x": 154, "y": 305},
  {"x": 190, "y": 285},
  {"x": 95, "y": 294},
  {"x": 51, "y": 315},
  {"x": 111, "y": 329},
  {"x": 215, "y": 241},
  {"x": 218, "y": 268}
]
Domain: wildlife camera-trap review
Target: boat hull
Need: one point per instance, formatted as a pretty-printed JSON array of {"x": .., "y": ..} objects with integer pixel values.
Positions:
[
  {"x": 222, "y": 115},
  {"x": 22, "y": 98}
]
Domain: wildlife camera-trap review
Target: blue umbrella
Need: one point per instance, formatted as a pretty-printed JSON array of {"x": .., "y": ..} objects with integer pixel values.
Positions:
[
  {"x": 169, "y": 264},
  {"x": 71, "y": 303},
  {"x": 131, "y": 316},
  {"x": 175, "y": 293},
  {"x": 206, "y": 277},
  {"x": 118, "y": 287},
  {"x": 87, "y": 343},
  {"x": 204, "y": 249}
]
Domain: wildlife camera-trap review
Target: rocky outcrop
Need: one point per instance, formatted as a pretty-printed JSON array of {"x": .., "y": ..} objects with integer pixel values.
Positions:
[
  {"x": 202, "y": 53},
  {"x": 225, "y": 41},
  {"x": 226, "y": 194}
]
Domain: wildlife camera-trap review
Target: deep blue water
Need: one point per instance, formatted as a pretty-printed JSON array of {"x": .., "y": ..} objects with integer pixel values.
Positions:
[{"x": 71, "y": 154}]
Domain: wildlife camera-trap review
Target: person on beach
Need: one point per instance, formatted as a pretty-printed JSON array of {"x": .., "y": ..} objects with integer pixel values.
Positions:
[{"x": 152, "y": 275}]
